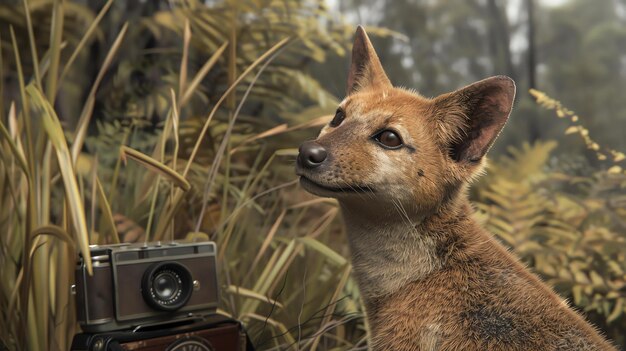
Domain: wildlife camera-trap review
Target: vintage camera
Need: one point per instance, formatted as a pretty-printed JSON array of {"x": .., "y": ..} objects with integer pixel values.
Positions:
[{"x": 143, "y": 284}]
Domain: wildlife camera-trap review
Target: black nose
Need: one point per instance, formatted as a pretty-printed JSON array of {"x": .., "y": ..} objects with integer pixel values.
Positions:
[{"x": 311, "y": 154}]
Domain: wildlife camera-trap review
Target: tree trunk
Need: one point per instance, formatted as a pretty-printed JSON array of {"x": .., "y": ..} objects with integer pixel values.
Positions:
[
  {"x": 500, "y": 39},
  {"x": 532, "y": 75}
]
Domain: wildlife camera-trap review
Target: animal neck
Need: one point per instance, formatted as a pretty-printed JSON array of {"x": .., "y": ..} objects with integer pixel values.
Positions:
[{"x": 393, "y": 247}]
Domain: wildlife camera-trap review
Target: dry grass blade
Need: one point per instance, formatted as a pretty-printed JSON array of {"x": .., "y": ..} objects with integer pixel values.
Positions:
[
  {"x": 205, "y": 127},
  {"x": 1, "y": 75},
  {"x": 107, "y": 214},
  {"x": 25, "y": 109},
  {"x": 94, "y": 198},
  {"x": 287, "y": 152},
  {"x": 13, "y": 297},
  {"x": 236, "y": 211},
  {"x": 182, "y": 82},
  {"x": 237, "y": 290},
  {"x": 175, "y": 127},
  {"x": 327, "y": 201},
  {"x": 202, "y": 73},
  {"x": 323, "y": 222},
  {"x": 166, "y": 219},
  {"x": 33, "y": 46},
  {"x": 326, "y": 251},
  {"x": 85, "y": 38},
  {"x": 279, "y": 129},
  {"x": 85, "y": 115},
  {"x": 283, "y": 128},
  {"x": 54, "y": 130},
  {"x": 155, "y": 166},
  {"x": 268, "y": 238},
  {"x": 317, "y": 122},
  {"x": 15, "y": 149},
  {"x": 226, "y": 139},
  {"x": 46, "y": 184},
  {"x": 280, "y": 326},
  {"x": 272, "y": 274},
  {"x": 331, "y": 307},
  {"x": 15, "y": 199},
  {"x": 56, "y": 36},
  {"x": 55, "y": 231},
  {"x": 24, "y": 332}
]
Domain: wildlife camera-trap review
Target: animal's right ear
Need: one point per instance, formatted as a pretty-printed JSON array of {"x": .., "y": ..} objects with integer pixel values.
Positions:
[
  {"x": 365, "y": 69},
  {"x": 469, "y": 119}
]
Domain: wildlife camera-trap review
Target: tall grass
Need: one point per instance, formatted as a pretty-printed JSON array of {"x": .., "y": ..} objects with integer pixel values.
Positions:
[
  {"x": 79, "y": 165},
  {"x": 279, "y": 275}
]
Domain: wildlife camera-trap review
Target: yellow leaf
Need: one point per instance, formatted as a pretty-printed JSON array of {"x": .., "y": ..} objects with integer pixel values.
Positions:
[
  {"x": 617, "y": 311},
  {"x": 539, "y": 95},
  {"x": 577, "y": 292},
  {"x": 571, "y": 130},
  {"x": 596, "y": 279},
  {"x": 614, "y": 170},
  {"x": 155, "y": 166},
  {"x": 196, "y": 236}
]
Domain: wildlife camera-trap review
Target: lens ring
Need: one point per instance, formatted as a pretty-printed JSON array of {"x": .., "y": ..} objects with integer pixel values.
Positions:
[{"x": 167, "y": 286}]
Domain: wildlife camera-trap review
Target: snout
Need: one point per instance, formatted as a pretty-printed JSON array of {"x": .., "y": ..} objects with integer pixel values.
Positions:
[{"x": 312, "y": 155}]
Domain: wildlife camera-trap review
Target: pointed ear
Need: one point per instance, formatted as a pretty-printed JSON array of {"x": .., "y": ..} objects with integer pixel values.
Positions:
[
  {"x": 365, "y": 70},
  {"x": 469, "y": 119}
]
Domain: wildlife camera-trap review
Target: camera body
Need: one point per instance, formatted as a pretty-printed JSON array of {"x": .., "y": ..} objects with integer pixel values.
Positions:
[
  {"x": 141, "y": 284},
  {"x": 210, "y": 333}
]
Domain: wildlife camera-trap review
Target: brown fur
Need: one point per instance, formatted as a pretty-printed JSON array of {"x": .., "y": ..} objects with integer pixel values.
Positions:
[{"x": 430, "y": 277}]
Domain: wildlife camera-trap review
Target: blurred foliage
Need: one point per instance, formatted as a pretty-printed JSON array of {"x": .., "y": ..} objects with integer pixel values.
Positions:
[{"x": 566, "y": 220}]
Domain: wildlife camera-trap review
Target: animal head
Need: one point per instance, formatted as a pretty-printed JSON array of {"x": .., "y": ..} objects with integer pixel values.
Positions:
[{"x": 388, "y": 144}]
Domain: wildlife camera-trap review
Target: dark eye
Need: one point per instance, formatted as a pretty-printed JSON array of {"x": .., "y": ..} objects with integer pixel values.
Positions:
[
  {"x": 389, "y": 139},
  {"x": 339, "y": 116}
]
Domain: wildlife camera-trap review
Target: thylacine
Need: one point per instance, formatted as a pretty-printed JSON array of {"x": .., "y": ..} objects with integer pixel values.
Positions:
[{"x": 431, "y": 277}]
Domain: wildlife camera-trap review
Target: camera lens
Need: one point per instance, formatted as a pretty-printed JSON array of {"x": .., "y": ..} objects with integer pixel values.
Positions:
[{"x": 167, "y": 286}]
